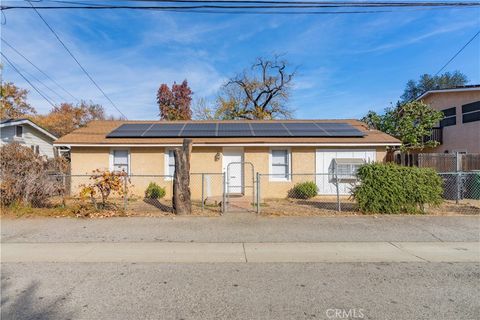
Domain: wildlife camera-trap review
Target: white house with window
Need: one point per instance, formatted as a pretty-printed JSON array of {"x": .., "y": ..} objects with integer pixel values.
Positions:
[{"x": 28, "y": 134}]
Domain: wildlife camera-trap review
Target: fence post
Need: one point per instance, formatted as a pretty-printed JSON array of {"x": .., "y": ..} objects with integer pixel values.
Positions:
[
  {"x": 64, "y": 190},
  {"x": 339, "y": 207},
  {"x": 258, "y": 193},
  {"x": 203, "y": 180},
  {"x": 458, "y": 181},
  {"x": 223, "y": 193},
  {"x": 125, "y": 196}
]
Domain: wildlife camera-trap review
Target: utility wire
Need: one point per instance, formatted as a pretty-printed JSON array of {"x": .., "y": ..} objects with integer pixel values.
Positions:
[
  {"x": 40, "y": 70},
  {"x": 458, "y": 52},
  {"x": 258, "y": 4},
  {"x": 76, "y": 60},
  {"x": 26, "y": 79}
]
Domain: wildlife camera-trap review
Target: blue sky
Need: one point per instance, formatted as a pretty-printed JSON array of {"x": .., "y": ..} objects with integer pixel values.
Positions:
[{"x": 347, "y": 64}]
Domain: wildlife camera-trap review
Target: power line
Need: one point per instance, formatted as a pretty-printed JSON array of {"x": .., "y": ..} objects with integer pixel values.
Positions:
[
  {"x": 458, "y": 52},
  {"x": 40, "y": 70},
  {"x": 76, "y": 60},
  {"x": 247, "y": 4},
  {"x": 26, "y": 79}
]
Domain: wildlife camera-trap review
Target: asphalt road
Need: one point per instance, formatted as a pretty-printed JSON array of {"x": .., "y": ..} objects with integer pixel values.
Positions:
[
  {"x": 244, "y": 228},
  {"x": 240, "y": 291}
]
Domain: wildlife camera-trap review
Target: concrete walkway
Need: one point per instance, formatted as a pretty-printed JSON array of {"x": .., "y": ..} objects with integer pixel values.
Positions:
[{"x": 180, "y": 252}]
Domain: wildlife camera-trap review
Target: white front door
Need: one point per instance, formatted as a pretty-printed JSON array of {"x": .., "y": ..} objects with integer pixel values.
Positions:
[
  {"x": 233, "y": 168},
  {"x": 323, "y": 160}
]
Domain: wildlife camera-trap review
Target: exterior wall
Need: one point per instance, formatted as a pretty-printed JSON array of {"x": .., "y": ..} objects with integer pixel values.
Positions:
[
  {"x": 31, "y": 137},
  {"x": 149, "y": 161},
  {"x": 462, "y": 136}
]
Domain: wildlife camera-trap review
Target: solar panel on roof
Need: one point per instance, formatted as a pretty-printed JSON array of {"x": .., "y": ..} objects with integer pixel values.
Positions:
[
  {"x": 234, "y": 130},
  {"x": 240, "y": 129}
]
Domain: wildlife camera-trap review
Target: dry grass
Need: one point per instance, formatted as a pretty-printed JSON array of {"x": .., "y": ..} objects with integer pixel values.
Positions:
[{"x": 327, "y": 206}]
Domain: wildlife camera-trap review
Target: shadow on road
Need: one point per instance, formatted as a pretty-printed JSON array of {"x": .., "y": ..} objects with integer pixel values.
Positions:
[{"x": 29, "y": 305}]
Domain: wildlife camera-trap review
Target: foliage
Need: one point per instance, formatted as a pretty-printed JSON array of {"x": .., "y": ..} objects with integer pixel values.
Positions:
[
  {"x": 174, "y": 104},
  {"x": 25, "y": 178},
  {"x": 13, "y": 102},
  {"x": 389, "y": 188},
  {"x": 411, "y": 123},
  {"x": 258, "y": 93},
  {"x": 67, "y": 117},
  {"x": 154, "y": 191},
  {"x": 304, "y": 190},
  {"x": 428, "y": 82},
  {"x": 104, "y": 183}
]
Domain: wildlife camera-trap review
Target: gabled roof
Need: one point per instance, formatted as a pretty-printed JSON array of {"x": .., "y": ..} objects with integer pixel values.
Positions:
[
  {"x": 471, "y": 87},
  {"x": 16, "y": 122},
  {"x": 95, "y": 134}
]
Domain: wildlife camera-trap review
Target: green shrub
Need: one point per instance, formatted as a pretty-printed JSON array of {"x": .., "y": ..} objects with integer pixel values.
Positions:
[
  {"x": 304, "y": 190},
  {"x": 154, "y": 191},
  {"x": 389, "y": 188}
]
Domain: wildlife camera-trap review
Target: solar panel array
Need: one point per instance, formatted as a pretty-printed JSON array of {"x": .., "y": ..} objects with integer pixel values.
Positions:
[{"x": 231, "y": 129}]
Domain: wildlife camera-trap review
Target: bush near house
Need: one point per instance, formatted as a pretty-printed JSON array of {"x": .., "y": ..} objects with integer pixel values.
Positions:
[
  {"x": 25, "y": 179},
  {"x": 389, "y": 188},
  {"x": 154, "y": 191},
  {"x": 104, "y": 183},
  {"x": 303, "y": 190}
]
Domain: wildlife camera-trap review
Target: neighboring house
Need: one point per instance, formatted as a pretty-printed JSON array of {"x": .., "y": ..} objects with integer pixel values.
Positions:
[
  {"x": 29, "y": 134},
  {"x": 284, "y": 149},
  {"x": 459, "y": 131}
]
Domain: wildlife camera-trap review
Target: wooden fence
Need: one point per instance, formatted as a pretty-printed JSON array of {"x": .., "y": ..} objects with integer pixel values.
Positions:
[{"x": 442, "y": 162}]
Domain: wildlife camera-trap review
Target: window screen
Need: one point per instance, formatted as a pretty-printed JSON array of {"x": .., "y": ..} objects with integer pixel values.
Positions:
[
  {"x": 19, "y": 131},
  {"x": 171, "y": 163},
  {"x": 280, "y": 168},
  {"x": 471, "y": 112},
  {"x": 450, "y": 118},
  {"x": 120, "y": 160}
]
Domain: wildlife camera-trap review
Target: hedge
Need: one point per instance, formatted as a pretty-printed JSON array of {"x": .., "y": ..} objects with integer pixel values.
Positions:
[
  {"x": 154, "y": 191},
  {"x": 390, "y": 188},
  {"x": 303, "y": 190}
]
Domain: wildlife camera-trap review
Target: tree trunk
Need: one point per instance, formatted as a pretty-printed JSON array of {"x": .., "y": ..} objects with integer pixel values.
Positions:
[{"x": 182, "y": 203}]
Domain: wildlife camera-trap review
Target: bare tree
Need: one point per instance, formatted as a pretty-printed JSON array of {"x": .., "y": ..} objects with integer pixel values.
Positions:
[{"x": 259, "y": 93}]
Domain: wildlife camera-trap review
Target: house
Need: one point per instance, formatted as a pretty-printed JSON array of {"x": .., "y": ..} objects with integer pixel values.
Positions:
[
  {"x": 459, "y": 131},
  {"x": 29, "y": 134},
  {"x": 285, "y": 152}
]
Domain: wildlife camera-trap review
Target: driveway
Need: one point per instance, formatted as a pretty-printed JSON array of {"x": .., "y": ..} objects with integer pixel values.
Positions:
[{"x": 244, "y": 228}]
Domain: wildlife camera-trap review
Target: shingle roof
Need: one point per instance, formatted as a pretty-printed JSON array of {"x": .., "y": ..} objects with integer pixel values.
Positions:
[{"x": 96, "y": 131}]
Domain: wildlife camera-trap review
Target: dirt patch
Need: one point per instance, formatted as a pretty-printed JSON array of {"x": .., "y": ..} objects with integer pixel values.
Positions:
[
  {"x": 327, "y": 206},
  {"x": 79, "y": 208}
]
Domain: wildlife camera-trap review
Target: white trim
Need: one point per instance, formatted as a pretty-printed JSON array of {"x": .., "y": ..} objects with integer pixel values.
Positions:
[
  {"x": 447, "y": 90},
  {"x": 353, "y": 144},
  {"x": 110, "y": 159},
  {"x": 30, "y": 123},
  {"x": 289, "y": 160}
]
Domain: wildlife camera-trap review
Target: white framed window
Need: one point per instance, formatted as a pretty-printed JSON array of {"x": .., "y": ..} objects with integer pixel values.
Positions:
[
  {"x": 280, "y": 164},
  {"x": 120, "y": 160},
  {"x": 169, "y": 163},
  {"x": 18, "y": 131}
]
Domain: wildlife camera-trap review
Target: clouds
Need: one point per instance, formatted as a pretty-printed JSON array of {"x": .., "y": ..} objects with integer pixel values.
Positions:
[{"x": 347, "y": 64}]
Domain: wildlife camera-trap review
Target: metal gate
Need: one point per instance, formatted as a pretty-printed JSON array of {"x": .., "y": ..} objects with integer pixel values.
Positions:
[{"x": 239, "y": 187}]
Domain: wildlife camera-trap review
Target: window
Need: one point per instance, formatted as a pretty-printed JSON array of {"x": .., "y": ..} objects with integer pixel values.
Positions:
[
  {"x": 471, "y": 112},
  {"x": 171, "y": 163},
  {"x": 120, "y": 160},
  {"x": 18, "y": 131},
  {"x": 280, "y": 165},
  {"x": 449, "y": 117}
]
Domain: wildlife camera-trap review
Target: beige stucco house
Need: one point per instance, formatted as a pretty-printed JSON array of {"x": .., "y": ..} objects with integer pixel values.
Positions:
[
  {"x": 286, "y": 152},
  {"x": 459, "y": 131}
]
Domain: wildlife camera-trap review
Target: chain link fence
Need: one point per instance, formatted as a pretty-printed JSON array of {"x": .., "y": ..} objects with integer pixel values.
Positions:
[
  {"x": 305, "y": 194},
  {"x": 271, "y": 194}
]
